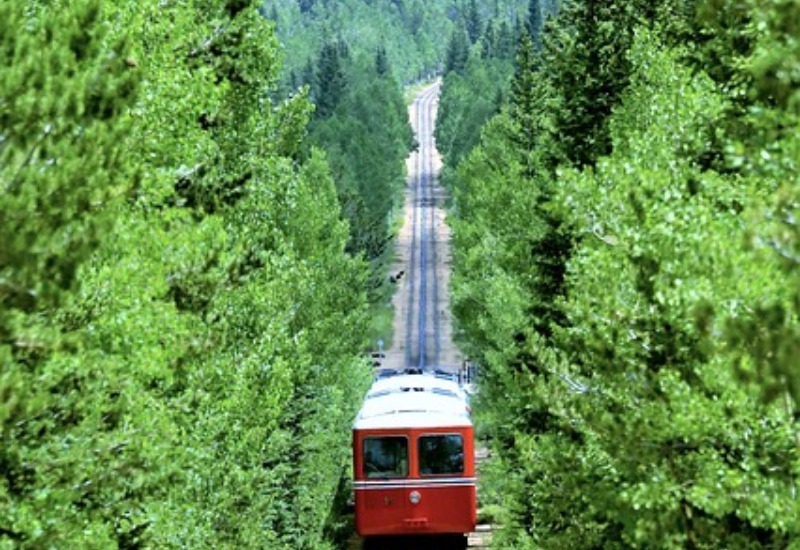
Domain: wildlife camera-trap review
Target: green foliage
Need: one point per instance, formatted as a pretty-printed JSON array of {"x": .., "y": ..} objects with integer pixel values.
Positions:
[
  {"x": 660, "y": 273},
  {"x": 180, "y": 321},
  {"x": 582, "y": 46},
  {"x": 775, "y": 60},
  {"x": 411, "y": 31},
  {"x": 469, "y": 98},
  {"x": 457, "y": 51},
  {"x": 367, "y": 137},
  {"x": 527, "y": 95},
  {"x": 626, "y": 259},
  {"x": 475, "y": 85},
  {"x": 331, "y": 82},
  {"x": 768, "y": 155},
  {"x": 355, "y": 49},
  {"x": 472, "y": 22},
  {"x": 497, "y": 41},
  {"x": 536, "y": 22},
  {"x": 64, "y": 92}
]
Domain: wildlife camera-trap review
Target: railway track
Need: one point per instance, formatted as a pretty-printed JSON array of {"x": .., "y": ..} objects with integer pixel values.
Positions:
[{"x": 425, "y": 332}]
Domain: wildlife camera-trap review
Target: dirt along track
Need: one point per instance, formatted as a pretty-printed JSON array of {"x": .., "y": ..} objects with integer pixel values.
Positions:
[
  {"x": 422, "y": 327},
  {"x": 423, "y": 334}
]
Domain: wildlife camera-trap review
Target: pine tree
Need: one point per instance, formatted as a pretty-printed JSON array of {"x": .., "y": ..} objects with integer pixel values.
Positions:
[
  {"x": 525, "y": 95},
  {"x": 382, "y": 66},
  {"x": 331, "y": 79},
  {"x": 589, "y": 74},
  {"x": 309, "y": 78},
  {"x": 505, "y": 41},
  {"x": 457, "y": 51},
  {"x": 536, "y": 22},
  {"x": 473, "y": 24}
]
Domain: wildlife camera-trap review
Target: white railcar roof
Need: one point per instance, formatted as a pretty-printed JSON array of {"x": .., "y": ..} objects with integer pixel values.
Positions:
[
  {"x": 413, "y": 401},
  {"x": 415, "y": 382}
]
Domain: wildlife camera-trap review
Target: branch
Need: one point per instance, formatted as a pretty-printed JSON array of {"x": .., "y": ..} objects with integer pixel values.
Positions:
[
  {"x": 15, "y": 180},
  {"x": 780, "y": 249},
  {"x": 206, "y": 46}
]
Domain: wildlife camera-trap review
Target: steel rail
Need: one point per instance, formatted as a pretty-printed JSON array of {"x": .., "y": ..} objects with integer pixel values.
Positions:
[
  {"x": 437, "y": 343},
  {"x": 413, "y": 252},
  {"x": 423, "y": 248}
]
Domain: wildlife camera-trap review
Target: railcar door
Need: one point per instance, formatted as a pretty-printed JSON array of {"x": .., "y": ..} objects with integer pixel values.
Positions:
[
  {"x": 446, "y": 477},
  {"x": 381, "y": 500}
]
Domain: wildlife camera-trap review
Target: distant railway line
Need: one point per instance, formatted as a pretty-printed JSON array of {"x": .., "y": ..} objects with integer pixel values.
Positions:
[
  {"x": 423, "y": 334},
  {"x": 424, "y": 304}
]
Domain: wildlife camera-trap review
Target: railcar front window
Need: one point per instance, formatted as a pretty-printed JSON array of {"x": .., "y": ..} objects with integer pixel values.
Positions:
[
  {"x": 441, "y": 454},
  {"x": 385, "y": 457}
]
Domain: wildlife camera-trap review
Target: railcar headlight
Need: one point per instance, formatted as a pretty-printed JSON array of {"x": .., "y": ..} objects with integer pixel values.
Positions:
[{"x": 414, "y": 497}]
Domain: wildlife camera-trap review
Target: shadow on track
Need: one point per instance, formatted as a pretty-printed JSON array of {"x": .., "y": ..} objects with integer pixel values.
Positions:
[{"x": 414, "y": 542}]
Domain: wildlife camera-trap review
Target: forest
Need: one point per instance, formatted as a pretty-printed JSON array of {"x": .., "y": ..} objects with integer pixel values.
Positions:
[
  {"x": 198, "y": 209},
  {"x": 182, "y": 322},
  {"x": 626, "y": 260},
  {"x": 352, "y": 59}
]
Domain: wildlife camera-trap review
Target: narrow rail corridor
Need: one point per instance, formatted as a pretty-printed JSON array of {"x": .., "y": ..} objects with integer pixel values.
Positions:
[
  {"x": 423, "y": 339},
  {"x": 422, "y": 329}
]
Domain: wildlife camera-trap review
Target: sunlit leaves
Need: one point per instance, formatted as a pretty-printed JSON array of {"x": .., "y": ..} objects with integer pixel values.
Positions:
[
  {"x": 656, "y": 408},
  {"x": 179, "y": 315},
  {"x": 64, "y": 90}
]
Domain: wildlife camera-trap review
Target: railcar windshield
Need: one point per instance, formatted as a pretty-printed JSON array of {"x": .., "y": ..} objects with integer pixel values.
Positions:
[
  {"x": 441, "y": 454},
  {"x": 386, "y": 457}
]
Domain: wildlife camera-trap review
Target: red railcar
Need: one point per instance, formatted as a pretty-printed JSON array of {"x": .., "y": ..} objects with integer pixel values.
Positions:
[{"x": 414, "y": 468}]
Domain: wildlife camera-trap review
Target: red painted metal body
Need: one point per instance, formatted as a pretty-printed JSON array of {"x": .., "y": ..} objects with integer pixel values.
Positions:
[
  {"x": 447, "y": 503},
  {"x": 413, "y": 459}
]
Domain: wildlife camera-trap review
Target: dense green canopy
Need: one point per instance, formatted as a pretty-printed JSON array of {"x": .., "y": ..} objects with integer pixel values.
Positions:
[
  {"x": 180, "y": 323},
  {"x": 626, "y": 274},
  {"x": 192, "y": 237}
]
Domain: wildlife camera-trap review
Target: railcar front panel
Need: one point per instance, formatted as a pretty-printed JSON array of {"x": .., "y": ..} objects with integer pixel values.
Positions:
[{"x": 414, "y": 480}]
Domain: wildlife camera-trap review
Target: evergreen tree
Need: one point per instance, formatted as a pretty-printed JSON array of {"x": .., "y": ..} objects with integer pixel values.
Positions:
[
  {"x": 536, "y": 22},
  {"x": 330, "y": 78},
  {"x": 457, "y": 51},
  {"x": 309, "y": 78},
  {"x": 489, "y": 40},
  {"x": 473, "y": 24},
  {"x": 552, "y": 244},
  {"x": 497, "y": 41},
  {"x": 382, "y": 66},
  {"x": 590, "y": 70},
  {"x": 368, "y": 138},
  {"x": 526, "y": 95},
  {"x": 505, "y": 41}
]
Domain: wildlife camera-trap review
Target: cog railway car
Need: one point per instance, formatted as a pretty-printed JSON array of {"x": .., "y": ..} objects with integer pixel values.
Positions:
[{"x": 413, "y": 450}]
